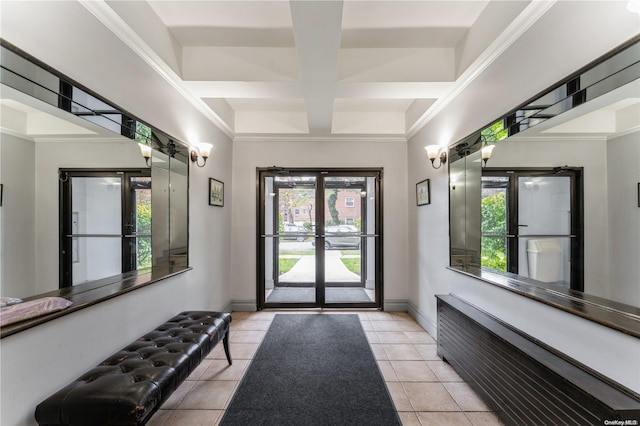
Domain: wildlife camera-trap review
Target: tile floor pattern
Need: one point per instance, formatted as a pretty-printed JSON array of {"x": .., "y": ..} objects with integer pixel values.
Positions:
[{"x": 424, "y": 389}]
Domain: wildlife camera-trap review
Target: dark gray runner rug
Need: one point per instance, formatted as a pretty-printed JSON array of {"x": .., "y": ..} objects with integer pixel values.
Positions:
[{"x": 312, "y": 369}]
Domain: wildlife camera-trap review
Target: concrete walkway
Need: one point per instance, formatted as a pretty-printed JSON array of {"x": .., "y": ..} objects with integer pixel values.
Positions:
[{"x": 305, "y": 270}]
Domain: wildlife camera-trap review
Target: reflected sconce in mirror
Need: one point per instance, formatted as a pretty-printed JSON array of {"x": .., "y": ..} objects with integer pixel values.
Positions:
[
  {"x": 436, "y": 152},
  {"x": 204, "y": 150},
  {"x": 486, "y": 153},
  {"x": 145, "y": 150}
]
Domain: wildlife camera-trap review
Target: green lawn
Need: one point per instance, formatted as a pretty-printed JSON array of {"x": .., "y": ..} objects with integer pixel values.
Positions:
[
  {"x": 297, "y": 253},
  {"x": 352, "y": 264},
  {"x": 285, "y": 264},
  {"x": 346, "y": 252}
]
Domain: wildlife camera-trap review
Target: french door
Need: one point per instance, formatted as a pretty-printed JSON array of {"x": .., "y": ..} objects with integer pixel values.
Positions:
[
  {"x": 319, "y": 238},
  {"x": 530, "y": 216},
  {"x": 105, "y": 223}
]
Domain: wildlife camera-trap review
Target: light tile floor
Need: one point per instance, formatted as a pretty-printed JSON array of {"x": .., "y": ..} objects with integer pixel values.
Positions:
[{"x": 424, "y": 389}]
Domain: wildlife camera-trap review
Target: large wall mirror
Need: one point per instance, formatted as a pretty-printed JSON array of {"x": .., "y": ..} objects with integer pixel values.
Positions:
[
  {"x": 556, "y": 207},
  {"x": 80, "y": 204}
]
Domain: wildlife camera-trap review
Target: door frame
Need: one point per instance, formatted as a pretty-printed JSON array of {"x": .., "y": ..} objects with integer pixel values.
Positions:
[
  {"x": 575, "y": 175},
  {"x": 65, "y": 216},
  {"x": 319, "y": 173}
]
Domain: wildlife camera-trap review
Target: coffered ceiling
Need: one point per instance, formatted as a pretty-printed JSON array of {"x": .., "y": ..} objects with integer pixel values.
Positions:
[{"x": 318, "y": 69}]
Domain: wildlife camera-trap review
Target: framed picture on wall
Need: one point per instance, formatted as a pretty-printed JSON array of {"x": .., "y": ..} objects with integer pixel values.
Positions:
[
  {"x": 423, "y": 193},
  {"x": 216, "y": 192}
]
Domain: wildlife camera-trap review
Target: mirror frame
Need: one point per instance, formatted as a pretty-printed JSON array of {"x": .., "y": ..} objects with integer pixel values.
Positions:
[
  {"x": 93, "y": 292},
  {"x": 619, "y": 316}
]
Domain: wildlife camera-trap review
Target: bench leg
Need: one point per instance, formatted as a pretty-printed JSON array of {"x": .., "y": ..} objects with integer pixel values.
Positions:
[{"x": 225, "y": 343}]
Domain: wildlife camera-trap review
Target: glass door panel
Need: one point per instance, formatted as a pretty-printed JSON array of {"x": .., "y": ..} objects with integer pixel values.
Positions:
[
  {"x": 349, "y": 239},
  {"x": 289, "y": 239},
  {"x": 494, "y": 223},
  {"x": 544, "y": 225},
  {"x": 139, "y": 228},
  {"x": 96, "y": 213}
]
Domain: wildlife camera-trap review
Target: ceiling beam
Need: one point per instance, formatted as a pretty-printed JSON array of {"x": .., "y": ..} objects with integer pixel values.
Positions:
[{"x": 317, "y": 28}]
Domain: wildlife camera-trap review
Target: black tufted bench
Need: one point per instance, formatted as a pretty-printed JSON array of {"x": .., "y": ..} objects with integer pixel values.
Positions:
[{"x": 130, "y": 386}]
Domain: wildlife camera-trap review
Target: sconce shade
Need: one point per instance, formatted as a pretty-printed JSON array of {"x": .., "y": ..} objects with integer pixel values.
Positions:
[
  {"x": 486, "y": 152},
  {"x": 434, "y": 152},
  {"x": 205, "y": 149},
  {"x": 145, "y": 150}
]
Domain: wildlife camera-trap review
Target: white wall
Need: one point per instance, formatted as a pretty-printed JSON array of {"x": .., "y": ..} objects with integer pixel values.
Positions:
[
  {"x": 65, "y": 35},
  {"x": 623, "y": 154},
  {"x": 18, "y": 216},
  {"x": 249, "y": 155},
  {"x": 567, "y": 37}
]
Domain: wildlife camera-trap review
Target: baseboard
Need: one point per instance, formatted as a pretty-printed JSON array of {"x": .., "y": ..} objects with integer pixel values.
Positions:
[
  {"x": 395, "y": 305},
  {"x": 243, "y": 305},
  {"x": 228, "y": 307},
  {"x": 423, "y": 320}
]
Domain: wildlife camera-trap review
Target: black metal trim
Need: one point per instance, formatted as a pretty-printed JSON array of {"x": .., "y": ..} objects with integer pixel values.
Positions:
[{"x": 262, "y": 172}]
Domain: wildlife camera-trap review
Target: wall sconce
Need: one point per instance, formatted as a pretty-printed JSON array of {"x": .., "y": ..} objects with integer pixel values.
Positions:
[
  {"x": 436, "y": 152},
  {"x": 145, "y": 150},
  {"x": 205, "y": 151},
  {"x": 485, "y": 153}
]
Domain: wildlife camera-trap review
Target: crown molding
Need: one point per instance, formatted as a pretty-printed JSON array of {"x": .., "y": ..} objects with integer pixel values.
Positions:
[
  {"x": 513, "y": 32},
  {"x": 101, "y": 10}
]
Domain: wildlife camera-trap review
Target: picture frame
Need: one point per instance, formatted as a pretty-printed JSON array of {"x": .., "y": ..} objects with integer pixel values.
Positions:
[
  {"x": 423, "y": 192},
  {"x": 216, "y": 192}
]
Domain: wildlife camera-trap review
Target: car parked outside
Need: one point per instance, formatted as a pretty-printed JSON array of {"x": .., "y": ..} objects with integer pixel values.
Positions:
[
  {"x": 294, "y": 232},
  {"x": 333, "y": 238}
]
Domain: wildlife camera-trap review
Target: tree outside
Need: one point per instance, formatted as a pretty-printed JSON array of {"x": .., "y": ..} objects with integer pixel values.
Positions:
[{"x": 494, "y": 221}]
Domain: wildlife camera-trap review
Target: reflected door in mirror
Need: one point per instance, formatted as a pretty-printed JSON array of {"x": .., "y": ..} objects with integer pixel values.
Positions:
[
  {"x": 531, "y": 224},
  {"x": 105, "y": 224}
]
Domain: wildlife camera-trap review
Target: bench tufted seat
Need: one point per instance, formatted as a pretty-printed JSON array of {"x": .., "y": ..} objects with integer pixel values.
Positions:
[{"x": 131, "y": 385}]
